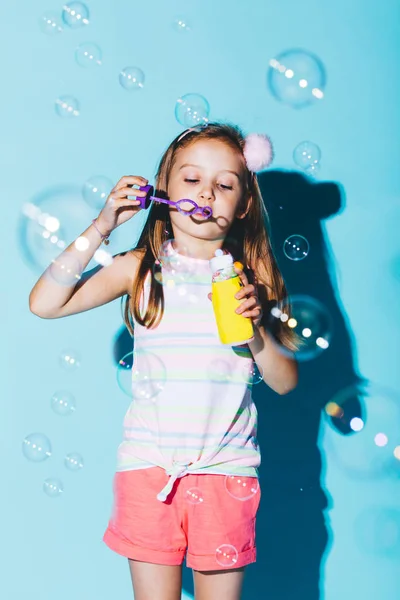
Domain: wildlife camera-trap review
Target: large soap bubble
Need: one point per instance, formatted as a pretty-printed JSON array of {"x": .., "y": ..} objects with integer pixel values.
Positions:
[
  {"x": 52, "y": 220},
  {"x": 372, "y": 450},
  {"x": 309, "y": 320},
  {"x": 297, "y": 78},
  {"x": 75, "y": 14}
]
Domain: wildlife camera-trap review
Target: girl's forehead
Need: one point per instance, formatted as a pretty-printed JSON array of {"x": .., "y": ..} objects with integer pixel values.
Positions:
[{"x": 215, "y": 153}]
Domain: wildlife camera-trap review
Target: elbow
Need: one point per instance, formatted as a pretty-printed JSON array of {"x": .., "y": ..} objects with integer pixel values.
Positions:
[{"x": 289, "y": 382}]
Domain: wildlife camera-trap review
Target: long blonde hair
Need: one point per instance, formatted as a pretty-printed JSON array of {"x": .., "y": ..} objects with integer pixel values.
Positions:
[{"x": 247, "y": 240}]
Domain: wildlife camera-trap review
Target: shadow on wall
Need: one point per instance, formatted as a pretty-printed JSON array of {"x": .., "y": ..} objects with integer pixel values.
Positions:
[{"x": 292, "y": 534}]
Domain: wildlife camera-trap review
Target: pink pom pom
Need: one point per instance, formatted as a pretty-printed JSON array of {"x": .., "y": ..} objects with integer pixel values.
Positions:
[{"x": 258, "y": 151}]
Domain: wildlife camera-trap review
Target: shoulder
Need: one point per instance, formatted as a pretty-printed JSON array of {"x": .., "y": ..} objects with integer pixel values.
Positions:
[{"x": 130, "y": 262}]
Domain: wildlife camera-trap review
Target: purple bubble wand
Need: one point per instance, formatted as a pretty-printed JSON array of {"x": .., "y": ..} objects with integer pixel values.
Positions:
[{"x": 145, "y": 201}]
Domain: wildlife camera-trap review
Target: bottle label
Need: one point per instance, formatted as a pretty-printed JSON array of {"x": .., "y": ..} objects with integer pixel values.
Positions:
[{"x": 224, "y": 274}]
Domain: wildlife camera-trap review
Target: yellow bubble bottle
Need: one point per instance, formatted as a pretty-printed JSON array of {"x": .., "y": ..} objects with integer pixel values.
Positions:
[{"x": 233, "y": 328}]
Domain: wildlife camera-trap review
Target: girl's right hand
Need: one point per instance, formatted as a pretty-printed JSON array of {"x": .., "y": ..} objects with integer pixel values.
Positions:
[{"x": 118, "y": 207}]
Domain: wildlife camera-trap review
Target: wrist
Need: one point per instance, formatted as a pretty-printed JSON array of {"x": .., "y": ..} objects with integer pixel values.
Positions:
[{"x": 103, "y": 232}]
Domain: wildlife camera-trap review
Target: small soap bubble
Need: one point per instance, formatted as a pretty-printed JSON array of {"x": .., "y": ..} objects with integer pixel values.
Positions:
[
  {"x": 132, "y": 78},
  {"x": 88, "y": 55},
  {"x": 63, "y": 403},
  {"x": 191, "y": 110},
  {"x": 75, "y": 14},
  {"x": 181, "y": 25},
  {"x": 67, "y": 106},
  {"x": 69, "y": 360},
  {"x": 36, "y": 447},
  {"x": 241, "y": 488},
  {"x": 141, "y": 375},
  {"x": 53, "y": 487},
  {"x": 50, "y": 23},
  {"x": 252, "y": 374},
  {"x": 219, "y": 370},
  {"x": 226, "y": 555},
  {"x": 73, "y": 461},
  {"x": 65, "y": 270},
  {"x": 194, "y": 495},
  {"x": 296, "y": 247},
  {"x": 306, "y": 155}
]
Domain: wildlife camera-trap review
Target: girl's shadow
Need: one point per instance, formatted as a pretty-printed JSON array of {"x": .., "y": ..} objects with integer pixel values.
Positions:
[{"x": 292, "y": 534}]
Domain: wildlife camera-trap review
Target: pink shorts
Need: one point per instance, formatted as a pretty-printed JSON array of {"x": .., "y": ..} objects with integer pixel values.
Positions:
[{"x": 210, "y": 519}]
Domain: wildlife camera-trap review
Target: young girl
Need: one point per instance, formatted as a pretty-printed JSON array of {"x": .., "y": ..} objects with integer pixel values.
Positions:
[{"x": 186, "y": 481}]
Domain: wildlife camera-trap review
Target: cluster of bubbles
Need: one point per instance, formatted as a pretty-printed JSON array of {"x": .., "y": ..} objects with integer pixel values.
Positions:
[
  {"x": 37, "y": 447},
  {"x": 191, "y": 109}
]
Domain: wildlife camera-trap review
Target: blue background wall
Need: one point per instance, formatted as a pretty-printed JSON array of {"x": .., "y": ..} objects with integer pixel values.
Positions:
[{"x": 329, "y": 523}]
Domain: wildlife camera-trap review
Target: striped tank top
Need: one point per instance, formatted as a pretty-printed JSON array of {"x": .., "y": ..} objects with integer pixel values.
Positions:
[{"x": 192, "y": 409}]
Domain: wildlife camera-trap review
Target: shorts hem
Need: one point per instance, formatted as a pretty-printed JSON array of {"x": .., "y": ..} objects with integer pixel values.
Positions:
[
  {"x": 134, "y": 552},
  {"x": 209, "y": 563}
]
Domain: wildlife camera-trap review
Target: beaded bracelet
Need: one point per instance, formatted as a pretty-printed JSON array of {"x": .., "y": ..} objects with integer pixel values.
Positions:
[{"x": 104, "y": 238}]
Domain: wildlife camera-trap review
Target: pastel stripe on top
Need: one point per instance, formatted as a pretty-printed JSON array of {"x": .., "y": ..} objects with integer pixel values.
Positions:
[{"x": 192, "y": 409}]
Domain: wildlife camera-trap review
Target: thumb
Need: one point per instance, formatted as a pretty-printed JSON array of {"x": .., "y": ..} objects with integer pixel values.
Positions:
[{"x": 209, "y": 296}]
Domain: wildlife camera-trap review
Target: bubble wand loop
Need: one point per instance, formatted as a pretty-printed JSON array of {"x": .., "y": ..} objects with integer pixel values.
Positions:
[{"x": 145, "y": 201}]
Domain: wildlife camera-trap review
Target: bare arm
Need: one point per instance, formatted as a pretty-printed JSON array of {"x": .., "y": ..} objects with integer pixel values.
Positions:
[{"x": 52, "y": 300}]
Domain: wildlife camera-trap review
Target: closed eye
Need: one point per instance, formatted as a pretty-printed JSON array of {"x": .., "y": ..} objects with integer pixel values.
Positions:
[{"x": 225, "y": 187}]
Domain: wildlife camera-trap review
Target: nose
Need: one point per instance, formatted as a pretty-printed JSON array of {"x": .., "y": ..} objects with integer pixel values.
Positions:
[{"x": 206, "y": 195}]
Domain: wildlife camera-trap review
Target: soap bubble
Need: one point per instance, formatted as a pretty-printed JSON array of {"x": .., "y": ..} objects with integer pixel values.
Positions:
[
  {"x": 176, "y": 263},
  {"x": 36, "y": 447},
  {"x": 132, "y": 78},
  {"x": 141, "y": 375},
  {"x": 67, "y": 106},
  {"x": 226, "y": 555},
  {"x": 50, "y": 222},
  {"x": 370, "y": 450},
  {"x": 53, "y": 487},
  {"x": 297, "y": 78},
  {"x": 73, "y": 461},
  {"x": 96, "y": 190},
  {"x": 75, "y": 14},
  {"x": 309, "y": 320},
  {"x": 65, "y": 270},
  {"x": 194, "y": 495},
  {"x": 252, "y": 373},
  {"x": 63, "y": 403},
  {"x": 50, "y": 23},
  {"x": 307, "y": 155},
  {"x": 241, "y": 488},
  {"x": 191, "y": 110},
  {"x": 296, "y": 247},
  {"x": 69, "y": 360},
  {"x": 219, "y": 370},
  {"x": 181, "y": 25},
  {"x": 88, "y": 55}
]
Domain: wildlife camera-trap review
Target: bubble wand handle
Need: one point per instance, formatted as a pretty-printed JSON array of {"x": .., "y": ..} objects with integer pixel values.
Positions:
[{"x": 145, "y": 202}]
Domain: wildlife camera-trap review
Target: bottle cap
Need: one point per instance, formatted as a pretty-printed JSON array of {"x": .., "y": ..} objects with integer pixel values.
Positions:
[{"x": 221, "y": 261}]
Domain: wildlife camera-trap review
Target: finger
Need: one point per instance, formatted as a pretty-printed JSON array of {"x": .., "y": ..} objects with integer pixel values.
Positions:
[
  {"x": 249, "y": 303},
  {"x": 247, "y": 290},
  {"x": 128, "y": 191},
  {"x": 130, "y": 180},
  {"x": 252, "y": 314},
  {"x": 239, "y": 270}
]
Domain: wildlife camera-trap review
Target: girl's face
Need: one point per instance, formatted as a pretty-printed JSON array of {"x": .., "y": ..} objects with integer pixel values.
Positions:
[{"x": 212, "y": 174}]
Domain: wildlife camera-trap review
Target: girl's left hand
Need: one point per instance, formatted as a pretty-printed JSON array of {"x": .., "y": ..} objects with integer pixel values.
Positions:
[{"x": 251, "y": 307}]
